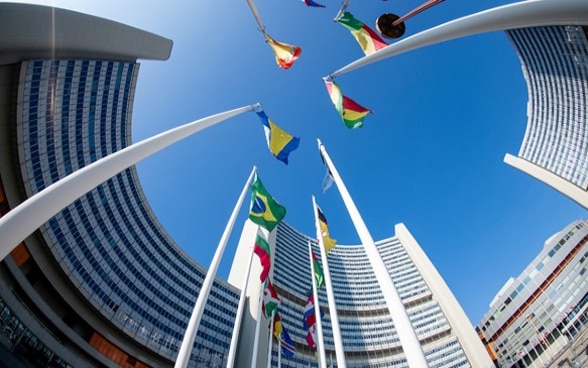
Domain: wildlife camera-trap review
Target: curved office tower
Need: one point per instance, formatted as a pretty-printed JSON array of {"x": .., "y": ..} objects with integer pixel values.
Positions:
[
  {"x": 555, "y": 146},
  {"x": 369, "y": 337},
  {"x": 100, "y": 284}
]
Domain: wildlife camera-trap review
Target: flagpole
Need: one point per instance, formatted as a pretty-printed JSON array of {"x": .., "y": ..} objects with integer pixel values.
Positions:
[
  {"x": 269, "y": 344},
  {"x": 339, "y": 352},
  {"x": 408, "y": 338},
  {"x": 257, "y": 328},
  {"x": 256, "y": 15},
  {"x": 280, "y": 348},
  {"x": 28, "y": 216},
  {"x": 521, "y": 14},
  {"x": 239, "y": 315},
  {"x": 342, "y": 10},
  {"x": 190, "y": 334},
  {"x": 320, "y": 343}
]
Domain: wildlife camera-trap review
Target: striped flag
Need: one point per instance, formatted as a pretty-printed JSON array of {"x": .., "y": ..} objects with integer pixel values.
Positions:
[
  {"x": 262, "y": 249},
  {"x": 312, "y": 3},
  {"x": 311, "y": 338},
  {"x": 368, "y": 40},
  {"x": 285, "y": 54},
  {"x": 328, "y": 179},
  {"x": 324, "y": 227},
  {"x": 309, "y": 319},
  {"x": 350, "y": 111},
  {"x": 319, "y": 276},
  {"x": 271, "y": 300},
  {"x": 277, "y": 325},
  {"x": 288, "y": 346}
]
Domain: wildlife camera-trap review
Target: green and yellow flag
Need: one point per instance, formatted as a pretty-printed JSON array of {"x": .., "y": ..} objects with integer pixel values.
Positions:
[{"x": 265, "y": 211}]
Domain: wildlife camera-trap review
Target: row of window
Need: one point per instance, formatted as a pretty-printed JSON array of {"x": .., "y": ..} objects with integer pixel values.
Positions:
[
  {"x": 557, "y": 90},
  {"x": 108, "y": 240}
]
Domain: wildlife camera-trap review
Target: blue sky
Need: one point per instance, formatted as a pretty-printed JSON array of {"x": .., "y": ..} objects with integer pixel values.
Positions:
[{"x": 431, "y": 155}]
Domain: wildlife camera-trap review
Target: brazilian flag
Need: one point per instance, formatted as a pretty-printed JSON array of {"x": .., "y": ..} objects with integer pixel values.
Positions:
[{"x": 265, "y": 211}]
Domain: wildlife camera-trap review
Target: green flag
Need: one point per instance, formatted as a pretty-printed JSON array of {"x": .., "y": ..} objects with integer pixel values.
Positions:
[
  {"x": 271, "y": 300},
  {"x": 265, "y": 211},
  {"x": 318, "y": 272}
]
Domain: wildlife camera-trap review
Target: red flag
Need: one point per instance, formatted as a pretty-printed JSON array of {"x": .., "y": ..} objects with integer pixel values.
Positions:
[{"x": 262, "y": 249}]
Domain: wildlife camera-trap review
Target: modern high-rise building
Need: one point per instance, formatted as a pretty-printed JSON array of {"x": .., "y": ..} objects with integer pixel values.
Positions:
[
  {"x": 368, "y": 333},
  {"x": 554, "y": 60},
  {"x": 101, "y": 284},
  {"x": 537, "y": 314}
]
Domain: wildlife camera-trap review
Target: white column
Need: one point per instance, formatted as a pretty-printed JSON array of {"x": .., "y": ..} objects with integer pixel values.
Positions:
[
  {"x": 280, "y": 350},
  {"x": 257, "y": 328},
  {"x": 339, "y": 352},
  {"x": 239, "y": 314},
  {"x": 188, "y": 342},
  {"x": 320, "y": 341},
  {"x": 547, "y": 177},
  {"x": 271, "y": 336},
  {"x": 25, "y": 218},
  {"x": 408, "y": 338},
  {"x": 517, "y": 15}
]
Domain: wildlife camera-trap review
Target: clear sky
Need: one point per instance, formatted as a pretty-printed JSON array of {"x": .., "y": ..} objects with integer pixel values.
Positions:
[{"x": 431, "y": 155}]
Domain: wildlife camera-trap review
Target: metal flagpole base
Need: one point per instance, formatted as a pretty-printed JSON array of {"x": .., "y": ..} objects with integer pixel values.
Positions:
[{"x": 385, "y": 25}]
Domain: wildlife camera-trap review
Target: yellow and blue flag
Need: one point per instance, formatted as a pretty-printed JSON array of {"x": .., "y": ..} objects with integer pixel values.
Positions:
[{"x": 279, "y": 142}]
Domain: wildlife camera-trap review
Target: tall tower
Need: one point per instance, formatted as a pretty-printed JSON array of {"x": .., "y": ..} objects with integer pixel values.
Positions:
[
  {"x": 554, "y": 150},
  {"x": 101, "y": 283},
  {"x": 369, "y": 337}
]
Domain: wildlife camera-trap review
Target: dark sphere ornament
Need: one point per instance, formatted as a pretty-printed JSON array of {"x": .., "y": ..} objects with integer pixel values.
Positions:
[{"x": 385, "y": 25}]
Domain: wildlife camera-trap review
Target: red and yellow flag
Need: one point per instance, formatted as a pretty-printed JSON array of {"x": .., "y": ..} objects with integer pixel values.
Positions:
[
  {"x": 285, "y": 54},
  {"x": 351, "y": 112}
]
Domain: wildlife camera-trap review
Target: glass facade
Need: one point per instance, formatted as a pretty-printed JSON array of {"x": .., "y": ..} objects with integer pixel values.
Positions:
[
  {"x": 536, "y": 314},
  {"x": 555, "y": 64},
  {"x": 23, "y": 343},
  {"x": 368, "y": 332},
  {"x": 108, "y": 242}
]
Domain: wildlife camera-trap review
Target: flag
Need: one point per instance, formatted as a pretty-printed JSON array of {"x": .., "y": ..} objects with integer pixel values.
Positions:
[
  {"x": 309, "y": 318},
  {"x": 324, "y": 226},
  {"x": 350, "y": 111},
  {"x": 271, "y": 300},
  {"x": 265, "y": 211},
  {"x": 262, "y": 249},
  {"x": 277, "y": 326},
  {"x": 319, "y": 277},
  {"x": 312, "y": 3},
  {"x": 288, "y": 346},
  {"x": 328, "y": 179},
  {"x": 279, "y": 142},
  {"x": 310, "y": 338},
  {"x": 369, "y": 40},
  {"x": 285, "y": 54}
]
